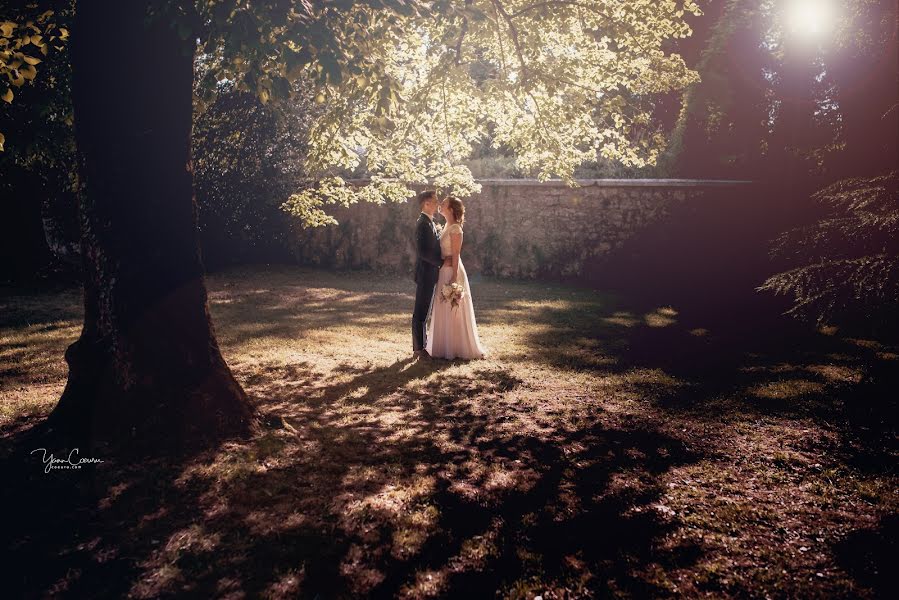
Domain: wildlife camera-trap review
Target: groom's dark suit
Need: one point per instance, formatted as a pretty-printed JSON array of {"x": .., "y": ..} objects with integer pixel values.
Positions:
[{"x": 427, "y": 269}]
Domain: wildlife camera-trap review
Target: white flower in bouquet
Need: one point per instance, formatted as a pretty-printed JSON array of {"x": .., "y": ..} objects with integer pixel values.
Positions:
[{"x": 453, "y": 292}]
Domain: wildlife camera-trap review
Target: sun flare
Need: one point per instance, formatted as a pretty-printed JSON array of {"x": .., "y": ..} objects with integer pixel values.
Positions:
[{"x": 810, "y": 18}]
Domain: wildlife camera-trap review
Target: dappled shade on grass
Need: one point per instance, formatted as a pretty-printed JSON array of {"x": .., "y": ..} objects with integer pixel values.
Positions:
[{"x": 606, "y": 447}]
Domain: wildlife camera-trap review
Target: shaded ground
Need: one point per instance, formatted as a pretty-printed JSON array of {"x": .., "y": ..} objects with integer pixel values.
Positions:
[{"x": 606, "y": 448}]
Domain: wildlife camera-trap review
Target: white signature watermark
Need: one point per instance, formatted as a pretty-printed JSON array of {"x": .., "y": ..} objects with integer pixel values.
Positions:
[{"x": 72, "y": 461}]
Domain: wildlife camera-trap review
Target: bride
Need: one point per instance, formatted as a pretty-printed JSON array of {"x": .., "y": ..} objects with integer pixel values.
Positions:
[{"x": 453, "y": 332}]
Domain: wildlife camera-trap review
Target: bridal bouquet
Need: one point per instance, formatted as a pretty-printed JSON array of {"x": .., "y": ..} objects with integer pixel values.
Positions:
[{"x": 453, "y": 292}]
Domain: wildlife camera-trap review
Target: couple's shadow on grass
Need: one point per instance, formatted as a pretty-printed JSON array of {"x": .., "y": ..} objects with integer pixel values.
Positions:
[
  {"x": 368, "y": 385},
  {"x": 303, "y": 382}
]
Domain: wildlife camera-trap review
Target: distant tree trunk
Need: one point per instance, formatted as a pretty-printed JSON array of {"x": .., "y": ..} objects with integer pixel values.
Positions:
[
  {"x": 721, "y": 129},
  {"x": 867, "y": 79},
  {"x": 795, "y": 132},
  {"x": 23, "y": 250},
  {"x": 146, "y": 369},
  {"x": 60, "y": 222}
]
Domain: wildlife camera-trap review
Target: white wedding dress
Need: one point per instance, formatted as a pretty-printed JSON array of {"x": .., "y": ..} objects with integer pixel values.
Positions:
[{"x": 452, "y": 331}]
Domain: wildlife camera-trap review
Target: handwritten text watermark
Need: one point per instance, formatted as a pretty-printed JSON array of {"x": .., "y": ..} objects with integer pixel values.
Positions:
[{"x": 72, "y": 461}]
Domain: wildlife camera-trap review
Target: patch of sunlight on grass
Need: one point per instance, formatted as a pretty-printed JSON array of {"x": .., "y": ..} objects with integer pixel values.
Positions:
[
  {"x": 34, "y": 399},
  {"x": 778, "y": 368},
  {"x": 656, "y": 377},
  {"x": 661, "y": 317},
  {"x": 536, "y": 305},
  {"x": 427, "y": 584},
  {"x": 413, "y": 530},
  {"x": 784, "y": 389},
  {"x": 828, "y": 372},
  {"x": 32, "y": 361},
  {"x": 355, "y": 394},
  {"x": 155, "y": 578},
  {"x": 499, "y": 478},
  {"x": 622, "y": 319},
  {"x": 190, "y": 539},
  {"x": 401, "y": 504},
  {"x": 475, "y": 551},
  {"x": 837, "y": 373},
  {"x": 288, "y": 584},
  {"x": 869, "y": 344}
]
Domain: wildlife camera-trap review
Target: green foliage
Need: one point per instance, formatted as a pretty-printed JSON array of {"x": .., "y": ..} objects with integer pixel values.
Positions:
[
  {"x": 552, "y": 83},
  {"x": 266, "y": 47},
  {"x": 274, "y": 48},
  {"x": 847, "y": 263},
  {"x": 408, "y": 88},
  {"x": 38, "y": 162},
  {"x": 246, "y": 158},
  {"x": 38, "y": 129},
  {"x": 24, "y": 44}
]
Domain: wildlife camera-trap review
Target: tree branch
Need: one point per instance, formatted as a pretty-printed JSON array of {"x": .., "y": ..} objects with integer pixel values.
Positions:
[
  {"x": 462, "y": 33},
  {"x": 580, "y": 5},
  {"x": 513, "y": 33}
]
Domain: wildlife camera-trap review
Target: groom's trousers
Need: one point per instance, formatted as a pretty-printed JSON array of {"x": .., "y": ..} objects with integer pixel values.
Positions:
[{"x": 424, "y": 295}]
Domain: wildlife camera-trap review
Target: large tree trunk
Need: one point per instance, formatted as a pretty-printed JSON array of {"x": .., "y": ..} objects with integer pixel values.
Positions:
[{"x": 146, "y": 370}]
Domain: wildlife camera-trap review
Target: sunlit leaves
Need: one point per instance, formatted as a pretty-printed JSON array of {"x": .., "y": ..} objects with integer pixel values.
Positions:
[
  {"x": 267, "y": 46},
  {"x": 407, "y": 89},
  {"x": 19, "y": 44},
  {"x": 308, "y": 205},
  {"x": 557, "y": 83}
]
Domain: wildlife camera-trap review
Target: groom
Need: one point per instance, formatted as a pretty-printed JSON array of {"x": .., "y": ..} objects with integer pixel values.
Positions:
[{"x": 427, "y": 268}]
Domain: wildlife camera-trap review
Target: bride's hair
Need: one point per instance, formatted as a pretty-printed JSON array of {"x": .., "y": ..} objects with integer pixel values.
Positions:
[{"x": 458, "y": 209}]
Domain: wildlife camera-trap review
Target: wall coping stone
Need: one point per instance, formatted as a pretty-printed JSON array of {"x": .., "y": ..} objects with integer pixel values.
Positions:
[
  {"x": 604, "y": 182},
  {"x": 618, "y": 182}
]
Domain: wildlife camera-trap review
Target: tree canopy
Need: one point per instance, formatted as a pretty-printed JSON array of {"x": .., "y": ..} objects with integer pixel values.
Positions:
[
  {"x": 555, "y": 82},
  {"x": 792, "y": 96},
  {"x": 409, "y": 88}
]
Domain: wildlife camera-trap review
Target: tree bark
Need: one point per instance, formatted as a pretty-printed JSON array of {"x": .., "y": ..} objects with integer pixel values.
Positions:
[{"x": 146, "y": 372}]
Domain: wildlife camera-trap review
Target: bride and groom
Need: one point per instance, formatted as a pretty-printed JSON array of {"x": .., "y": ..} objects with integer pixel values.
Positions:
[{"x": 442, "y": 291}]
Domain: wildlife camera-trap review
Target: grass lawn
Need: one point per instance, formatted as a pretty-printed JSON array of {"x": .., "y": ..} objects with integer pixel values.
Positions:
[{"x": 605, "y": 448}]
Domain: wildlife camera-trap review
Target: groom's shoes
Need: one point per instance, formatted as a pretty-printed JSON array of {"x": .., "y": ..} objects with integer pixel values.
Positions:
[{"x": 421, "y": 354}]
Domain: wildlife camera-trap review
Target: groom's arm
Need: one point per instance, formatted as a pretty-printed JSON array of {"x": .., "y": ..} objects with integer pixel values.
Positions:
[{"x": 423, "y": 235}]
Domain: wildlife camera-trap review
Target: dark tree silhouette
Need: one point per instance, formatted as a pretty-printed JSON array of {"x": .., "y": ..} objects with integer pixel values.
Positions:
[
  {"x": 773, "y": 105},
  {"x": 865, "y": 70},
  {"x": 722, "y": 127},
  {"x": 146, "y": 367},
  {"x": 844, "y": 267}
]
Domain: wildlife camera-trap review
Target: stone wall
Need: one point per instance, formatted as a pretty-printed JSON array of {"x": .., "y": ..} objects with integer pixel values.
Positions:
[{"x": 529, "y": 229}]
